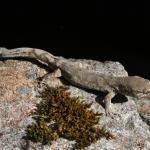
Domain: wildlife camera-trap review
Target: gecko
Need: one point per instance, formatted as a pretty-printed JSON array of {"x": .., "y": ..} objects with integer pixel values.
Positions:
[{"x": 134, "y": 86}]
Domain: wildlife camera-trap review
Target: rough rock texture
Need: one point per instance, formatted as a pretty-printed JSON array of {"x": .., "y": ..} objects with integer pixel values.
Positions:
[
  {"x": 144, "y": 109},
  {"x": 18, "y": 90}
]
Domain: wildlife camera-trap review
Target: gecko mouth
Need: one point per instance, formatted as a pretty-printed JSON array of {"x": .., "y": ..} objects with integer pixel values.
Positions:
[{"x": 143, "y": 95}]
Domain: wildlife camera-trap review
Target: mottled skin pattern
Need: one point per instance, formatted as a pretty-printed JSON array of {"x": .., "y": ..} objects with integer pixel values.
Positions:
[{"x": 131, "y": 86}]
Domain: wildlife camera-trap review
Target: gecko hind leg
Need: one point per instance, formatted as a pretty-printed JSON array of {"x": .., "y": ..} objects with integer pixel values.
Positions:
[{"x": 108, "y": 104}]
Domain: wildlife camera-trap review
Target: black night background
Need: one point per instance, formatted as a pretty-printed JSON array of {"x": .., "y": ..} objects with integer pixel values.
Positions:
[{"x": 117, "y": 31}]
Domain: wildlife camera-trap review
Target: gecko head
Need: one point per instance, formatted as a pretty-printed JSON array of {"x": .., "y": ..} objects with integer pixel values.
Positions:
[
  {"x": 1, "y": 51},
  {"x": 139, "y": 87}
]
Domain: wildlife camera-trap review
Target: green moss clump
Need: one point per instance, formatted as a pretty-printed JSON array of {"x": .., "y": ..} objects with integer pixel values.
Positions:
[
  {"x": 40, "y": 132},
  {"x": 72, "y": 120}
]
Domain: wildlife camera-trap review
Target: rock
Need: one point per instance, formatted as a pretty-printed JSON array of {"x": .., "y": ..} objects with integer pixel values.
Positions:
[
  {"x": 18, "y": 90},
  {"x": 143, "y": 107}
]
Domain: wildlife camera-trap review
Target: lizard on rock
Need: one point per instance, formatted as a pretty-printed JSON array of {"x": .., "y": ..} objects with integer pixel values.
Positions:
[{"x": 131, "y": 85}]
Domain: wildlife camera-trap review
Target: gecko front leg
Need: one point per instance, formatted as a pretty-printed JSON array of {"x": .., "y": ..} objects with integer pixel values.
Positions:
[
  {"x": 50, "y": 78},
  {"x": 107, "y": 101}
]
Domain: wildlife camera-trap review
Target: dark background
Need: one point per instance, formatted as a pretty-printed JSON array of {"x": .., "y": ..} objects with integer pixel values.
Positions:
[{"x": 101, "y": 30}]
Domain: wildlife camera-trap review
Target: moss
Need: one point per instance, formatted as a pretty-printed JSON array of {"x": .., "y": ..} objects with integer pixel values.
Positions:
[
  {"x": 40, "y": 132},
  {"x": 71, "y": 119}
]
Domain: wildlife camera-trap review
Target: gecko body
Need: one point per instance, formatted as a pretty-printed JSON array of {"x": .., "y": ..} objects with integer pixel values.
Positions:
[{"x": 131, "y": 86}]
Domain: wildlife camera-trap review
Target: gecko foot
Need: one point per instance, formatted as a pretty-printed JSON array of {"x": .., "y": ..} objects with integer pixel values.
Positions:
[
  {"x": 109, "y": 112},
  {"x": 49, "y": 77}
]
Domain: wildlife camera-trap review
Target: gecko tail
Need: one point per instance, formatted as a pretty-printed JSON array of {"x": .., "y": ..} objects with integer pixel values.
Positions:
[
  {"x": 24, "y": 51},
  {"x": 35, "y": 53},
  {"x": 12, "y": 52}
]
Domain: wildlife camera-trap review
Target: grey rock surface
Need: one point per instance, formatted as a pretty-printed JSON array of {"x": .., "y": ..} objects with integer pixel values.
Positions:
[
  {"x": 143, "y": 107},
  {"x": 18, "y": 90}
]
